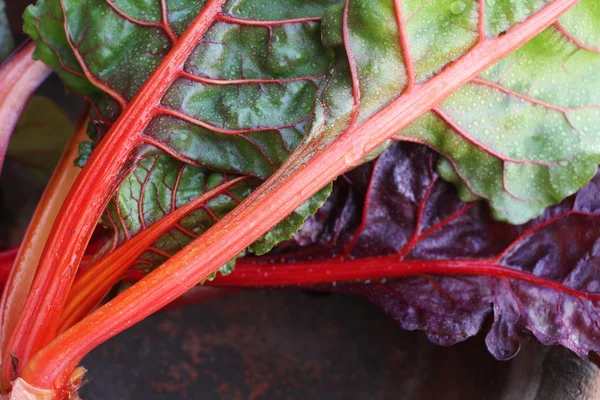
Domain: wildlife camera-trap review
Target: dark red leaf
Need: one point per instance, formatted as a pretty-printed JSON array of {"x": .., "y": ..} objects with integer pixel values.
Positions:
[{"x": 453, "y": 265}]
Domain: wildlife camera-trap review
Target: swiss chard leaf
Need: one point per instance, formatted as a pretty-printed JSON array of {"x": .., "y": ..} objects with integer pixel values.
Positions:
[
  {"x": 235, "y": 108},
  {"x": 522, "y": 135},
  {"x": 444, "y": 266}
]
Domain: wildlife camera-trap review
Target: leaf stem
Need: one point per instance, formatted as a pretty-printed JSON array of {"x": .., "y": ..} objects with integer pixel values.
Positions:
[
  {"x": 309, "y": 168},
  {"x": 269, "y": 273},
  {"x": 20, "y": 75},
  {"x": 28, "y": 255}
]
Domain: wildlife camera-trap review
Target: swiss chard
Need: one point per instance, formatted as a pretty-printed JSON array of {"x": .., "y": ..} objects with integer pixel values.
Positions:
[{"x": 180, "y": 96}]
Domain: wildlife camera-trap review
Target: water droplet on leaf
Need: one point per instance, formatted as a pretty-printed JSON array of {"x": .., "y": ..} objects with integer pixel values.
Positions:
[{"x": 458, "y": 7}]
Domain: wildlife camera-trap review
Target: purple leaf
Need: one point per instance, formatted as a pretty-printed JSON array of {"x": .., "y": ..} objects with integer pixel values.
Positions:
[{"x": 454, "y": 267}]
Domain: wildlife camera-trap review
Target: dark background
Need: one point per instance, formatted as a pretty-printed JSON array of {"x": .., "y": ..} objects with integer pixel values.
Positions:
[{"x": 286, "y": 344}]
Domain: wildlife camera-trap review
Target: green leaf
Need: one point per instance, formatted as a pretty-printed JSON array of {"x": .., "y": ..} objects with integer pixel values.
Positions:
[
  {"x": 373, "y": 88},
  {"x": 523, "y": 135}
]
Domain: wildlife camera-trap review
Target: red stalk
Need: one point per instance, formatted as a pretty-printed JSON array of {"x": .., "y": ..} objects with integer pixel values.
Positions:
[
  {"x": 264, "y": 273},
  {"x": 20, "y": 75},
  {"x": 308, "y": 170},
  {"x": 91, "y": 191},
  {"x": 25, "y": 265}
]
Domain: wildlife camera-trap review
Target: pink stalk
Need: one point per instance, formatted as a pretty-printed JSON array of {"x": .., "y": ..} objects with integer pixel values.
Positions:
[{"x": 20, "y": 75}]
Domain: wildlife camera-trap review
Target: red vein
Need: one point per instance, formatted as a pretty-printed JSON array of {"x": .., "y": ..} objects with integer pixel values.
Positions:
[
  {"x": 563, "y": 110},
  {"x": 437, "y": 287},
  {"x": 93, "y": 284},
  {"x": 352, "y": 65},
  {"x": 140, "y": 201},
  {"x": 248, "y": 22},
  {"x": 122, "y": 220},
  {"x": 211, "y": 213},
  {"x": 163, "y": 25},
  {"x": 185, "y": 231},
  {"x": 458, "y": 129},
  {"x": 160, "y": 110},
  {"x": 420, "y": 209},
  {"x": 211, "y": 81},
  {"x": 466, "y": 182},
  {"x": 255, "y": 274},
  {"x": 524, "y": 97},
  {"x": 115, "y": 239},
  {"x": 417, "y": 237},
  {"x": 409, "y": 63},
  {"x": 159, "y": 252},
  {"x": 166, "y": 25},
  {"x": 570, "y": 37},
  {"x": 176, "y": 187},
  {"x": 161, "y": 146},
  {"x": 365, "y": 215},
  {"x": 518, "y": 241},
  {"x": 56, "y": 53},
  {"x": 91, "y": 77},
  {"x": 131, "y": 19},
  {"x": 481, "y": 21}
]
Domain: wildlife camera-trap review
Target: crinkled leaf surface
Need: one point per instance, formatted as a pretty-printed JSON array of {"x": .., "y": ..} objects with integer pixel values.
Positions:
[
  {"x": 240, "y": 105},
  {"x": 461, "y": 266},
  {"x": 243, "y": 100}
]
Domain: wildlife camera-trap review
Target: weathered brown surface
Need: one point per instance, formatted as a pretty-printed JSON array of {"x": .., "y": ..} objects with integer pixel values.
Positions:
[{"x": 290, "y": 345}]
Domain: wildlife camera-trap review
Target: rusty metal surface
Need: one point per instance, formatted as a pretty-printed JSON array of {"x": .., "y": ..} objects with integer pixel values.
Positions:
[{"x": 290, "y": 345}]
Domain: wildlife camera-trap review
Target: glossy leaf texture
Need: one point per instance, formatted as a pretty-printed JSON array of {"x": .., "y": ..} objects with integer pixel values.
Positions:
[
  {"x": 244, "y": 95},
  {"x": 240, "y": 105},
  {"x": 523, "y": 135},
  {"x": 446, "y": 267}
]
